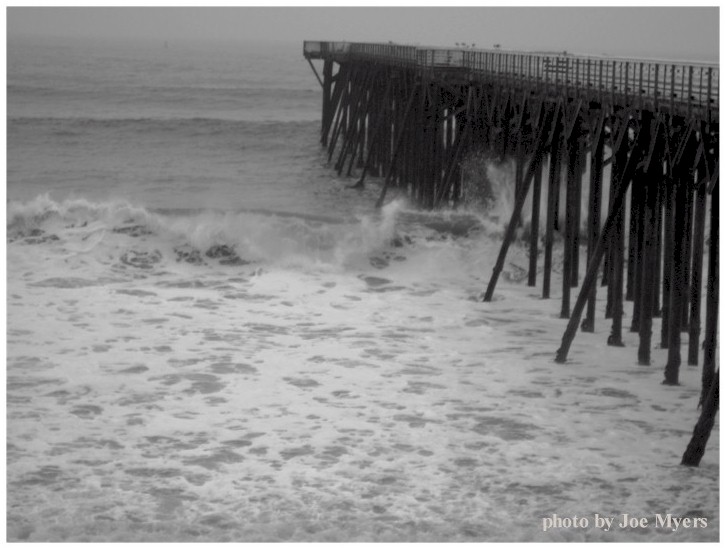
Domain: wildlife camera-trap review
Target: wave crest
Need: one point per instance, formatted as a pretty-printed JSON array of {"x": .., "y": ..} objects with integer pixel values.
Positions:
[{"x": 252, "y": 236}]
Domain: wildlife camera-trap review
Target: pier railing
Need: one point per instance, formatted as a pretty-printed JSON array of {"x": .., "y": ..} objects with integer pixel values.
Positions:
[{"x": 685, "y": 88}]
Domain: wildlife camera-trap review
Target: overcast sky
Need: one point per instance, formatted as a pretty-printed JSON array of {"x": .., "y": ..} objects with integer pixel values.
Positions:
[{"x": 666, "y": 32}]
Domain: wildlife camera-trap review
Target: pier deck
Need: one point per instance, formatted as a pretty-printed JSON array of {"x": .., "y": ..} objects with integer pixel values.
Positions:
[{"x": 684, "y": 88}]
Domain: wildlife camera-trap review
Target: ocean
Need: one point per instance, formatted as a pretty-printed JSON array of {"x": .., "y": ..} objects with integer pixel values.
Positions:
[{"x": 212, "y": 337}]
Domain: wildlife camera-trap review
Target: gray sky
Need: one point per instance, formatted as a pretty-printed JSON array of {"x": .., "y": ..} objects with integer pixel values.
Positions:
[{"x": 666, "y": 32}]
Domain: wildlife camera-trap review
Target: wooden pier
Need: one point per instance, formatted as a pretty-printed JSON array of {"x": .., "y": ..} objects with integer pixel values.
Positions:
[{"x": 411, "y": 115}]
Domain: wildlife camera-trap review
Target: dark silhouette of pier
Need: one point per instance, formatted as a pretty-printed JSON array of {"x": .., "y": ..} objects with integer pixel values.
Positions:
[{"x": 411, "y": 115}]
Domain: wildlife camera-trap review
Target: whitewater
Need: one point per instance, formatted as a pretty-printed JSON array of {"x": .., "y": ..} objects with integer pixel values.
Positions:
[{"x": 210, "y": 337}]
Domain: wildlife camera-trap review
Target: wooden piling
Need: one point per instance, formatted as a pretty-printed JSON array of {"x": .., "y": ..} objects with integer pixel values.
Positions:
[
  {"x": 577, "y": 200},
  {"x": 534, "y": 228},
  {"x": 594, "y": 212},
  {"x": 683, "y": 176},
  {"x": 712, "y": 306},
  {"x": 696, "y": 283},
  {"x": 635, "y": 263},
  {"x": 571, "y": 230},
  {"x": 688, "y": 232},
  {"x": 553, "y": 192},
  {"x": 653, "y": 181},
  {"x": 668, "y": 258},
  {"x": 695, "y": 450},
  {"x": 618, "y": 241},
  {"x": 656, "y": 274},
  {"x": 327, "y": 98}
]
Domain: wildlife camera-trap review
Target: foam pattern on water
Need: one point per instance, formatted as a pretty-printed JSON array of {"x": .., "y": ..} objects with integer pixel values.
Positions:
[{"x": 362, "y": 397}]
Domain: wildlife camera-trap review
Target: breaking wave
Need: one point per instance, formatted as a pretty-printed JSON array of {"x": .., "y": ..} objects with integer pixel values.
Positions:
[{"x": 200, "y": 236}]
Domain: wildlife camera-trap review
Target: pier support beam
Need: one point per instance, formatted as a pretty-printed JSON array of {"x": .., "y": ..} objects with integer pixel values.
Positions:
[
  {"x": 682, "y": 181},
  {"x": 695, "y": 450},
  {"x": 700, "y": 206},
  {"x": 553, "y": 192},
  {"x": 711, "y": 319},
  {"x": 654, "y": 176},
  {"x": 617, "y": 245},
  {"x": 594, "y": 212}
]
